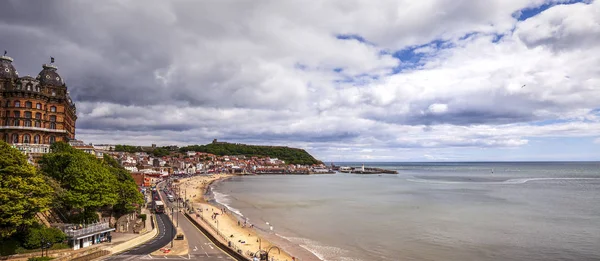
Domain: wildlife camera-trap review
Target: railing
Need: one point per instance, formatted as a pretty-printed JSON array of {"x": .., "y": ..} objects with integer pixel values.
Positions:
[
  {"x": 31, "y": 128},
  {"x": 73, "y": 231}
]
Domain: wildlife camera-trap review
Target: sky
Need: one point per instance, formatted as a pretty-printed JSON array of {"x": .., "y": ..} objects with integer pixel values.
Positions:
[{"x": 347, "y": 80}]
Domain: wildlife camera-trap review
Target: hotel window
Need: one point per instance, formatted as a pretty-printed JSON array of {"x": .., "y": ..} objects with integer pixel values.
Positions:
[
  {"x": 17, "y": 123},
  {"x": 52, "y": 139},
  {"x": 38, "y": 124},
  {"x": 53, "y": 118},
  {"x": 38, "y": 116},
  {"x": 17, "y": 114},
  {"x": 53, "y": 93},
  {"x": 26, "y": 138},
  {"x": 53, "y": 125},
  {"x": 36, "y": 139},
  {"x": 18, "y": 86},
  {"x": 17, "y": 104},
  {"x": 29, "y": 87},
  {"x": 37, "y": 88},
  {"x": 7, "y": 138},
  {"x": 28, "y": 114},
  {"x": 27, "y": 123},
  {"x": 7, "y": 104},
  {"x": 7, "y": 122},
  {"x": 28, "y": 104},
  {"x": 38, "y": 106},
  {"x": 15, "y": 138},
  {"x": 52, "y": 109}
]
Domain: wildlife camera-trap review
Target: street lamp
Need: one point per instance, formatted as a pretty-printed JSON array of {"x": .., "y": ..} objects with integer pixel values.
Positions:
[{"x": 172, "y": 228}]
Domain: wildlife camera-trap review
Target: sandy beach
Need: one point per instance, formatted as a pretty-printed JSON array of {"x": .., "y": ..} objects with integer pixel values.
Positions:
[{"x": 230, "y": 228}]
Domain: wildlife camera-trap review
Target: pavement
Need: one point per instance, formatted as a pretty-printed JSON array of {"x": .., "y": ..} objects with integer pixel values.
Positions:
[{"x": 199, "y": 246}]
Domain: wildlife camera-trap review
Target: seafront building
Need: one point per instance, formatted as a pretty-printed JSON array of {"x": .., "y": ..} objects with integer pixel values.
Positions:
[{"x": 34, "y": 112}]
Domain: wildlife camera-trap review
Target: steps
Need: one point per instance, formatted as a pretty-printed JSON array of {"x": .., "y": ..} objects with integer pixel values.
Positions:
[
  {"x": 40, "y": 217},
  {"x": 48, "y": 218}
]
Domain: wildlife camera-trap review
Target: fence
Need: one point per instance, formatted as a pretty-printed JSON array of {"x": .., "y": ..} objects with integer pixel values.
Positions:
[{"x": 87, "y": 229}]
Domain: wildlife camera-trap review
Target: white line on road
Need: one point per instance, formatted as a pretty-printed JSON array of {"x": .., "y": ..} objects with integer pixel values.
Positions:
[{"x": 150, "y": 256}]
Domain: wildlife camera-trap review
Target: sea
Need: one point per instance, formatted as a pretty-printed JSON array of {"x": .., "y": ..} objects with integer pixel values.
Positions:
[{"x": 429, "y": 211}]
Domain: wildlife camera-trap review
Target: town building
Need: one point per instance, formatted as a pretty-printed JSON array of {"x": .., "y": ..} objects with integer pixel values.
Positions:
[{"x": 34, "y": 112}]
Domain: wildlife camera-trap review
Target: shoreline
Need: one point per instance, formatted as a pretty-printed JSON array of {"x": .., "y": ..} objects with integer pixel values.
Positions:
[{"x": 229, "y": 222}]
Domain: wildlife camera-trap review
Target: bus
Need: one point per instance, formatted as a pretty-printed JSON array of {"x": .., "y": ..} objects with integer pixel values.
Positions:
[{"x": 159, "y": 207}]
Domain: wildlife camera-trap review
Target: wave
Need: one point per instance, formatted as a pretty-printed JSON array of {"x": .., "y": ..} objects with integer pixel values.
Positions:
[
  {"x": 321, "y": 251},
  {"x": 525, "y": 180},
  {"x": 509, "y": 181},
  {"x": 224, "y": 200}
]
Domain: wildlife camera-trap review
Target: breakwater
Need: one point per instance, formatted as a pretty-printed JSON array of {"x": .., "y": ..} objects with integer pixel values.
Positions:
[{"x": 366, "y": 170}]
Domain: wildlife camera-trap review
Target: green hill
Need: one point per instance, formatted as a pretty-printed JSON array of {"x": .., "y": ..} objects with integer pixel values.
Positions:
[{"x": 289, "y": 155}]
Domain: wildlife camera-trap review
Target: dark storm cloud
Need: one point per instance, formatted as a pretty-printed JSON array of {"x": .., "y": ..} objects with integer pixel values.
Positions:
[{"x": 102, "y": 57}]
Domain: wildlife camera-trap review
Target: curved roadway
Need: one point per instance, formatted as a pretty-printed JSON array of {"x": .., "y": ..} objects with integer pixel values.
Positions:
[{"x": 200, "y": 247}]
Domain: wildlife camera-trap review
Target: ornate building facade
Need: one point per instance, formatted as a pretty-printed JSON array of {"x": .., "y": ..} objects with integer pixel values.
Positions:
[{"x": 34, "y": 112}]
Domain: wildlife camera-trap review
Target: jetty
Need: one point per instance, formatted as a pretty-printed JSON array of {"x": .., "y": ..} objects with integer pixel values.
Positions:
[{"x": 365, "y": 170}]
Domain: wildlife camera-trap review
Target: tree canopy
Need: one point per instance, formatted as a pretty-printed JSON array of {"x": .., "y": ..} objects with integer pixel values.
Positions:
[
  {"x": 289, "y": 155},
  {"x": 129, "y": 198},
  {"x": 88, "y": 183},
  {"x": 23, "y": 191}
]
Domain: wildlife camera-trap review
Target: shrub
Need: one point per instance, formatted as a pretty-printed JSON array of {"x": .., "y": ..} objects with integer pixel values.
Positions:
[
  {"x": 33, "y": 239},
  {"x": 143, "y": 217}
]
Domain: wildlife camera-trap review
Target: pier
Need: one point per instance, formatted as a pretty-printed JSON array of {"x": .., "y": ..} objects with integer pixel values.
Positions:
[{"x": 366, "y": 170}]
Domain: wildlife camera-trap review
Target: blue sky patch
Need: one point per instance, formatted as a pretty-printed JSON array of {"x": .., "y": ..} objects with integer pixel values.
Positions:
[{"x": 527, "y": 13}]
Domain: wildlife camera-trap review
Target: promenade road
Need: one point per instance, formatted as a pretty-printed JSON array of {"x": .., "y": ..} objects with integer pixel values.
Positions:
[{"x": 200, "y": 247}]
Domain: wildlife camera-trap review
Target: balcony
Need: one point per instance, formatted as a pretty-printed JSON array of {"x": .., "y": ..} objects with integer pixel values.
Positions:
[
  {"x": 32, "y": 147},
  {"x": 31, "y": 128},
  {"x": 75, "y": 231}
]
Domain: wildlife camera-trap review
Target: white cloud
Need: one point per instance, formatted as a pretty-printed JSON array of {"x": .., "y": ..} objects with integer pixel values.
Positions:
[
  {"x": 188, "y": 72},
  {"x": 438, "y": 108}
]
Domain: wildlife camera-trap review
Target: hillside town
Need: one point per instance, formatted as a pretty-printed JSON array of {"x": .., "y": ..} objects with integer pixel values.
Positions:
[{"x": 146, "y": 168}]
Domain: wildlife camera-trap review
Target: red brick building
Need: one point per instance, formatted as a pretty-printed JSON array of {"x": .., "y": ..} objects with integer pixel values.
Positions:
[{"x": 34, "y": 112}]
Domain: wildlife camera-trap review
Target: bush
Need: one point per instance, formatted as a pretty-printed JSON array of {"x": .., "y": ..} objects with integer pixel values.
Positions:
[
  {"x": 38, "y": 258},
  {"x": 143, "y": 217},
  {"x": 33, "y": 239},
  {"x": 8, "y": 246}
]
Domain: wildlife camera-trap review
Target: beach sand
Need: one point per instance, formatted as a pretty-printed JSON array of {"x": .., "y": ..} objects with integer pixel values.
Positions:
[{"x": 227, "y": 223}]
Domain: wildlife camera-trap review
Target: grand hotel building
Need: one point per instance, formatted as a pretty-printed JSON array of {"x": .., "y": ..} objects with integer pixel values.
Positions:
[{"x": 34, "y": 112}]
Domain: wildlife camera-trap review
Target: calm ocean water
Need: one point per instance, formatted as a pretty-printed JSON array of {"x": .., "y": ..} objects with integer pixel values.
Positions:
[{"x": 431, "y": 211}]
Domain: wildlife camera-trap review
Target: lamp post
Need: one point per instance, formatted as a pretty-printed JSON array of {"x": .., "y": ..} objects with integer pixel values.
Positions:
[{"x": 172, "y": 227}]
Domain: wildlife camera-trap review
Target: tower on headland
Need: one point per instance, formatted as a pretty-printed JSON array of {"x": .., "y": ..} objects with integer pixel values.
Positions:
[{"x": 34, "y": 112}]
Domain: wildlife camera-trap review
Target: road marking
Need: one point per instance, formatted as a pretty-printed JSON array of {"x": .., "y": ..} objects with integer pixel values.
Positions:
[
  {"x": 195, "y": 248},
  {"x": 211, "y": 247},
  {"x": 166, "y": 257},
  {"x": 150, "y": 256}
]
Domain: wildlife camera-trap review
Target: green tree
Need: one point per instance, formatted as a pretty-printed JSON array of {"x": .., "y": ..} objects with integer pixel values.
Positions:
[
  {"x": 87, "y": 183},
  {"x": 129, "y": 198},
  {"x": 35, "y": 234},
  {"x": 160, "y": 152},
  {"x": 23, "y": 191}
]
